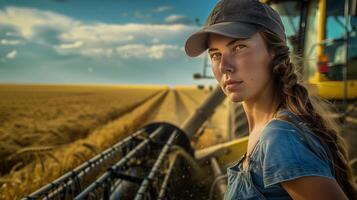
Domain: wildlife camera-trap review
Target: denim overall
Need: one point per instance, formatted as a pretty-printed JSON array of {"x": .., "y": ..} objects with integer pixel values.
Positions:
[{"x": 281, "y": 154}]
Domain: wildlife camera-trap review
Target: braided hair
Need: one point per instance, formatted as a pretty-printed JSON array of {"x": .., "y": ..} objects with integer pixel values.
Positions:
[{"x": 311, "y": 109}]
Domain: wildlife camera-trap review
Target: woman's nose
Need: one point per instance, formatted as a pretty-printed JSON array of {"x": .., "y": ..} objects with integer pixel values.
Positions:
[{"x": 226, "y": 64}]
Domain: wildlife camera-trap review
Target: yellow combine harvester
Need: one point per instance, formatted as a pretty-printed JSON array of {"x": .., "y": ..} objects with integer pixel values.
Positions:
[
  {"x": 155, "y": 162},
  {"x": 324, "y": 34}
]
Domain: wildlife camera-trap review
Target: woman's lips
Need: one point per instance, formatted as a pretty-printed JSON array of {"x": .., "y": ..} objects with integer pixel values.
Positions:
[{"x": 233, "y": 85}]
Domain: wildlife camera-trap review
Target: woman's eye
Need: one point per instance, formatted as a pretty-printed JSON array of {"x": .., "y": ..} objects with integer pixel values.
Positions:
[
  {"x": 215, "y": 57},
  {"x": 239, "y": 47}
]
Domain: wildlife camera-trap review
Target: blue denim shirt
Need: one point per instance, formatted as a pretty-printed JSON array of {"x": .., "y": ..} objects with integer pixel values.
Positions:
[{"x": 281, "y": 154}]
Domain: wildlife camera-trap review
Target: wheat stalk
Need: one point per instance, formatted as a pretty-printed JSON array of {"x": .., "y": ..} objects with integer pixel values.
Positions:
[{"x": 30, "y": 150}]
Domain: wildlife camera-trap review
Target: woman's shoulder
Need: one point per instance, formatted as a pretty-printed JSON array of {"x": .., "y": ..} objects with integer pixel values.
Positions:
[
  {"x": 280, "y": 128},
  {"x": 294, "y": 133},
  {"x": 286, "y": 154}
]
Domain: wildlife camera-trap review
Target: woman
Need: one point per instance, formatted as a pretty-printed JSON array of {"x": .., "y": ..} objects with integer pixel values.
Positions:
[{"x": 294, "y": 151}]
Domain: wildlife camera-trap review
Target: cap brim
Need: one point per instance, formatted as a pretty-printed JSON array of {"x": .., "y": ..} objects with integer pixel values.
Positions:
[{"x": 197, "y": 43}]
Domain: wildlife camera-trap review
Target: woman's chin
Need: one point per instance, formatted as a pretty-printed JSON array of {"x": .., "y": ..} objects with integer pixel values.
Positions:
[{"x": 234, "y": 97}]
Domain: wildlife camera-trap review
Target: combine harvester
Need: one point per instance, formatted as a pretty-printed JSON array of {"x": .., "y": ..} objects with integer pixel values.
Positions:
[{"x": 155, "y": 162}]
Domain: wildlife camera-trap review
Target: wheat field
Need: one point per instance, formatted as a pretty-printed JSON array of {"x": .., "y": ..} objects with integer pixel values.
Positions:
[{"x": 46, "y": 131}]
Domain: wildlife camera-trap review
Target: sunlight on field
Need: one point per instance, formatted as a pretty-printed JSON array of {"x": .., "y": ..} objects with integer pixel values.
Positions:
[
  {"x": 215, "y": 128},
  {"x": 34, "y": 116},
  {"x": 48, "y": 130},
  {"x": 38, "y": 122}
]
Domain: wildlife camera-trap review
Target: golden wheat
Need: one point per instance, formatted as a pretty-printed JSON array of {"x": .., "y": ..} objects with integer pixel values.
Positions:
[
  {"x": 56, "y": 128},
  {"x": 33, "y": 176},
  {"x": 33, "y": 116}
]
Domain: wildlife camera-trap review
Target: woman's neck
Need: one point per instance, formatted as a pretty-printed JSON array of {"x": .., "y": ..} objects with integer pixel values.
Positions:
[{"x": 261, "y": 109}]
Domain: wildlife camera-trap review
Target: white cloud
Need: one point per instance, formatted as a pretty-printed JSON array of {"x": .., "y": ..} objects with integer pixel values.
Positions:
[
  {"x": 155, "y": 40},
  {"x": 97, "y": 52},
  {"x": 162, "y": 8},
  {"x": 26, "y": 19},
  {"x": 11, "y": 42},
  {"x": 91, "y": 52},
  {"x": 110, "y": 36},
  {"x": 177, "y": 19},
  {"x": 96, "y": 39},
  {"x": 153, "y": 52},
  {"x": 123, "y": 33},
  {"x": 11, "y": 55},
  {"x": 172, "y": 18},
  {"x": 11, "y": 34},
  {"x": 129, "y": 51},
  {"x": 74, "y": 45}
]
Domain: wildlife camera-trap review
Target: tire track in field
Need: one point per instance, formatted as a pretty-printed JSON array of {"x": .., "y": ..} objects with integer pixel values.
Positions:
[
  {"x": 156, "y": 112},
  {"x": 181, "y": 110},
  {"x": 171, "y": 110},
  {"x": 166, "y": 111},
  {"x": 193, "y": 100}
]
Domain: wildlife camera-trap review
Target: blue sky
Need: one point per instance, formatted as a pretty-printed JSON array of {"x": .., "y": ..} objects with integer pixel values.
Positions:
[
  {"x": 114, "y": 42},
  {"x": 108, "y": 41}
]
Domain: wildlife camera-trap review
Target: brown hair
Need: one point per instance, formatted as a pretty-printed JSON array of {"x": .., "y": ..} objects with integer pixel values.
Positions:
[{"x": 311, "y": 109}]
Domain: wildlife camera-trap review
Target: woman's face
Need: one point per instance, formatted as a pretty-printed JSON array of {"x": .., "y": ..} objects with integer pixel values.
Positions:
[{"x": 243, "y": 60}]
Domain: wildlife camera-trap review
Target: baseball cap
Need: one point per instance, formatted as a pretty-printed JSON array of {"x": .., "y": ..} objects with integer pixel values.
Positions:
[{"x": 236, "y": 19}]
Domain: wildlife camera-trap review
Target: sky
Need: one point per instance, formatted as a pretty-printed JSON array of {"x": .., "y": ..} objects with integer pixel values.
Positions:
[
  {"x": 106, "y": 41},
  {"x": 100, "y": 42}
]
